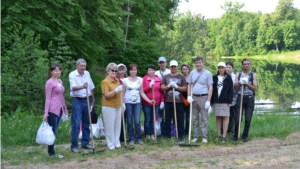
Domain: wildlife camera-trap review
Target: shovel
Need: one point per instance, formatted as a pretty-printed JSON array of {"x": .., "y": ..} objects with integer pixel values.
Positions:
[
  {"x": 154, "y": 119},
  {"x": 91, "y": 128},
  {"x": 124, "y": 130},
  {"x": 240, "y": 114},
  {"x": 190, "y": 125},
  {"x": 175, "y": 117}
]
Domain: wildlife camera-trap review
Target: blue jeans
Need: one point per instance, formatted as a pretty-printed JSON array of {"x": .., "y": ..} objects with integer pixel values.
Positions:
[
  {"x": 80, "y": 113},
  {"x": 149, "y": 121},
  {"x": 162, "y": 123},
  {"x": 133, "y": 111},
  {"x": 53, "y": 121}
]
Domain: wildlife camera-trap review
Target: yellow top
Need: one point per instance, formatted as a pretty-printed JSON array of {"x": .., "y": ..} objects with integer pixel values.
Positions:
[{"x": 109, "y": 85}]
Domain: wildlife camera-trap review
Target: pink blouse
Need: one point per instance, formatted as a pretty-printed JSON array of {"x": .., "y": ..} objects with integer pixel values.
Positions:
[
  {"x": 54, "y": 97},
  {"x": 158, "y": 94}
]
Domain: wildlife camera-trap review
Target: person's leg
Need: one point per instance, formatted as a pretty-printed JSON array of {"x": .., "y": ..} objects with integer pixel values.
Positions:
[
  {"x": 109, "y": 117},
  {"x": 187, "y": 120},
  {"x": 249, "y": 107},
  {"x": 195, "y": 115},
  {"x": 162, "y": 123},
  {"x": 168, "y": 117},
  {"x": 231, "y": 120},
  {"x": 53, "y": 121},
  {"x": 225, "y": 124},
  {"x": 237, "y": 117},
  {"x": 180, "y": 120},
  {"x": 122, "y": 130},
  {"x": 204, "y": 116},
  {"x": 86, "y": 134},
  {"x": 218, "y": 124},
  {"x": 129, "y": 113},
  {"x": 137, "y": 120},
  {"x": 148, "y": 117},
  {"x": 154, "y": 120},
  {"x": 75, "y": 120},
  {"x": 117, "y": 126}
]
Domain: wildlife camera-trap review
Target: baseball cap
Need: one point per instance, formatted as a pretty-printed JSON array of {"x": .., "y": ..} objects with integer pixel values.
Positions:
[
  {"x": 162, "y": 59},
  {"x": 173, "y": 63},
  {"x": 121, "y": 64},
  {"x": 221, "y": 64}
]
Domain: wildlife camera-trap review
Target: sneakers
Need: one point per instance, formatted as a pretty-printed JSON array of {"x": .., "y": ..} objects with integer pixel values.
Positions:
[
  {"x": 140, "y": 141},
  {"x": 88, "y": 146},
  {"x": 245, "y": 139},
  {"x": 75, "y": 150},
  {"x": 223, "y": 139},
  {"x": 152, "y": 137},
  {"x": 148, "y": 137},
  {"x": 204, "y": 140},
  {"x": 131, "y": 142},
  {"x": 194, "y": 140}
]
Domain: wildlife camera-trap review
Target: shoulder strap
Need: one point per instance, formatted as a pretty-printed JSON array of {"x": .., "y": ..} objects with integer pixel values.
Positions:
[
  {"x": 240, "y": 74},
  {"x": 198, "y": 78}
]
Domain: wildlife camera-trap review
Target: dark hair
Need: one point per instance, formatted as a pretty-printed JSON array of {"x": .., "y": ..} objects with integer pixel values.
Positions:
[
  {"x": 131, "y": 66},
  {"x": 225, "y": 73},
  {"x": 198, "y": 58},
  {"x": 186, "y": 65},
  {"x": 229, "y": 63},
  {"x": 245, "y": 59},
  {"x": 151, "y": 66},
  {"x": 53, "y": 66}
]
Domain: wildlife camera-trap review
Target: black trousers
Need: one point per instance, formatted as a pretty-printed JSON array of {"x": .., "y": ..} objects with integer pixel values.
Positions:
[
  {"x": 231, "y": 120},
  {"x": 247, "y": 109},
  {"x": 169, "y": 115}
]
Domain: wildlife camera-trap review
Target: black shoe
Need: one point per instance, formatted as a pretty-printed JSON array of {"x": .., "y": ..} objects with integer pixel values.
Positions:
[
  {"x": 88, "y": 146},
  {"x": 235, "y": 139},
  {"x": 223, "y": 139},
  {"x": 51, "y": 155},
  {"x": 75, "y": 150},
  {"x": 245, "y": 140}
]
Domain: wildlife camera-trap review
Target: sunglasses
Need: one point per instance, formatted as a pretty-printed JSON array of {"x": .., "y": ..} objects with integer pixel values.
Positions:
[
  {"x": 116, "y": 71},
  {"x": 161, "y": 62}
]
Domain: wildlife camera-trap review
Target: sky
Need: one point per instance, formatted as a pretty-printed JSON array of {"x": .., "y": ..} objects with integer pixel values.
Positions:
[{"x": 212, "y": 9}]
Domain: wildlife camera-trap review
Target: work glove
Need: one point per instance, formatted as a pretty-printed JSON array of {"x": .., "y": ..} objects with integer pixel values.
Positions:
[
  {"x": 151, "y": 84},
  {"x": 162, "y": 105},
  {"x": 190, "y": 99},
  {"x": 124, "y": 107},
  {"x": 173, "y": 84},
  {"x": 119, "y": 88},
  {"x": 244, "y": 80},
  {"x": 64, "y": 117},
  {"x": 207, "y": 105}
]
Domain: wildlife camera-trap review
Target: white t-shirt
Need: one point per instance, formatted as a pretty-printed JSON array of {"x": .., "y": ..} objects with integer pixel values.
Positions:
[
  {"x": 220, "y": 84},
  {"x": 161, "y": 74},
  {"x": 77, "y": 80},
  {"x": 132, "y": 93}
]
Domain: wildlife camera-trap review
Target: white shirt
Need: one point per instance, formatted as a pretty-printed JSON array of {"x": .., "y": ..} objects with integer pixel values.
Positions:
[
  {"x": 132, "y": 93},
  {"x": 161, "y": 74},
  {"x": 78, "y": 80}
]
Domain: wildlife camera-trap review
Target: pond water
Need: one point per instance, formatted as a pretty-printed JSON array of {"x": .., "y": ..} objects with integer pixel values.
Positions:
[{"x": 278, "y": 83}]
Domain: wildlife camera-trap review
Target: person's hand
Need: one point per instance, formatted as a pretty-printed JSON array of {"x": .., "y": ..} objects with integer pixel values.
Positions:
[
  {"x": 244, "y": 80},
  {"x": 151, "y": 101},
  {"x": 151, "y": 84},
  {"x": 170, "y": 84},
  {"x": 229, "y": 105},
  {"x": 174, "y": 85},
  {"x": 207, "y": 105},
  {"x": 85, "y": 85},
  {"x": 190, "y": 99},
  {"x": 162, "y": 105},
  {"x": 119, "y": 88},
  {"x": 45, "y": 118},
  {"x": 124, "y": 107}
]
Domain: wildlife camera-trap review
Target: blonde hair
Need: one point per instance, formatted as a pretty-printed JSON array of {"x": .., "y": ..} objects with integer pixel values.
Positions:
[{"x": 111, "y": 66}]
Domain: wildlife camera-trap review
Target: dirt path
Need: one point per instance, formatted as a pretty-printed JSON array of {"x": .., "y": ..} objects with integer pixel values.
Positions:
[{"x": 264, "y": 153}]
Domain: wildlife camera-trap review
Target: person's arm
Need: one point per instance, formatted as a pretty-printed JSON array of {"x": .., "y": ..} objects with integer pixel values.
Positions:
[
  {"x": 144, "y": 96},
  {"x": 73, "y": 84},
  {"x": 48, "y": 91},
  {"x": 237, "y": 84},
  {"x": 254, "y": 85},
  {"x": 210, "y": 90},
  {"x": 105, "y": 90},
  {"x": 182, "y": 88},
  {"x": 163, "y": 86},
  {"x": 146, "y": 85},
  {"x": 64, "y": 102}
]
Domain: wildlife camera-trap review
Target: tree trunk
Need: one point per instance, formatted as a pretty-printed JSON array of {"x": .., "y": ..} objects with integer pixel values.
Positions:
[
  {"x": 165, "y": 40},
  {"x": 277, "y": 47},
  {"x": 127, "y": 21},
  {"x": 149, "y": 27}
]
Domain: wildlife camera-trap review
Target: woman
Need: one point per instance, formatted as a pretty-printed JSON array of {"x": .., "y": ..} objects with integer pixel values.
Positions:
[
  {"x": 221, "y": 99},
  {"x": 149, "y": 81},
  {"x": 132, "y": 87},
  {"x": 112, "y": 107},
  {"x": 185, "y": 70},
  {"x": 55, "y": 103}
]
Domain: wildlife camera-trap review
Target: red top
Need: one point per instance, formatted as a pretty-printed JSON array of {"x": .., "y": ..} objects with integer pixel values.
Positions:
[
  {"x": 158, "y": 94},
  {"x": 54, "y": 97}
]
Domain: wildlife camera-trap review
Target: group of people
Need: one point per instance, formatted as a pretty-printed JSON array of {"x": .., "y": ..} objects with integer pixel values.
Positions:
[{"x": 165, "y": 90}]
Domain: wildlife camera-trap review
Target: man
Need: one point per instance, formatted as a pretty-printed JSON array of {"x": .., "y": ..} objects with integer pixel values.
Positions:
[
  {"x": 247, "y": 79},
  {"x": 80, "y": 80},
  {"x": 202, "y": 81},
  {"x": 177, "y": 83},
  {"x": 162, "y": 63},
  {"x": 229, "y": 70}
]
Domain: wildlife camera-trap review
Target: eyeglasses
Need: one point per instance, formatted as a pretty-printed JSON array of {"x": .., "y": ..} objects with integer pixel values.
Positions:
[
  {"x": 113, "y": 70},
  {"x": 161, "y": 62}
]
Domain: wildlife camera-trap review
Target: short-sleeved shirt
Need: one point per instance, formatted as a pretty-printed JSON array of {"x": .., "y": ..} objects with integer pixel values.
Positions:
[
  {"x": 78, "y": 80},
  {"x": 161, "y": 74},
  {"x": 132, "y": 93},
  {"x": 180, "y": 81},
  {"x": 108, "y": 85},
  {"x": 201, "y": 87}
]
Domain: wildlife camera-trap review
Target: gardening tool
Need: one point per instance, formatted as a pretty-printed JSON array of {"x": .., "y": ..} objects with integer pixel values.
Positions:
[
  {"x": 190, "y": 125},
  {"x": 124, "y": 130},
  {"x": 154, "y": 118},
  {"x": 241, "y": 110},
  {"x": 175, "y": 117},
  {"x": 91, "y": 127}
]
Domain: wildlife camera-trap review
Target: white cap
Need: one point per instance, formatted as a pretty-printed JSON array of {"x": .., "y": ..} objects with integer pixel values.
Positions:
[
  {"x": 173, "y": 63},
  {"x": 221, "y": 64},
  {"x": 162, "y": 59},
  {"x": 121, "y": 64}
]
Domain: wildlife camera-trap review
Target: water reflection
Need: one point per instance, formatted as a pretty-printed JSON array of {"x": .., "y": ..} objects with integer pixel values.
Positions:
[{"x": 278, "y": 82}]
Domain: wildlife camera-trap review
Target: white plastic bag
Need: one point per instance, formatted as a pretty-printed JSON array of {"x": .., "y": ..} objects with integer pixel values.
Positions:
[
  {"x": 157, "y": 124},
  {"x": 96, "y": 131},
  {"x": 100, "y": 126},
  {"x": 45, "y": 134}
]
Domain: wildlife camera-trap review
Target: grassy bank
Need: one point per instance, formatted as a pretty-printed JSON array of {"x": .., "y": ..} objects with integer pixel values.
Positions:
[{"x": 19, "y": 132}]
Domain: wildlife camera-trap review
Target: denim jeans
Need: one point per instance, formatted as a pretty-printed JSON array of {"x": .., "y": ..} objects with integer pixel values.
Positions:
[
  {"x": 148, "y": 120},
  {"x": 248, "y": 106},
  {"x": 80, "y": 113},
  {"x": 133, "y": 111},
  {"x": 170, "y": 115},
  {"x": 53, "y": 121},
  {"x": 187, "y": 120}
]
